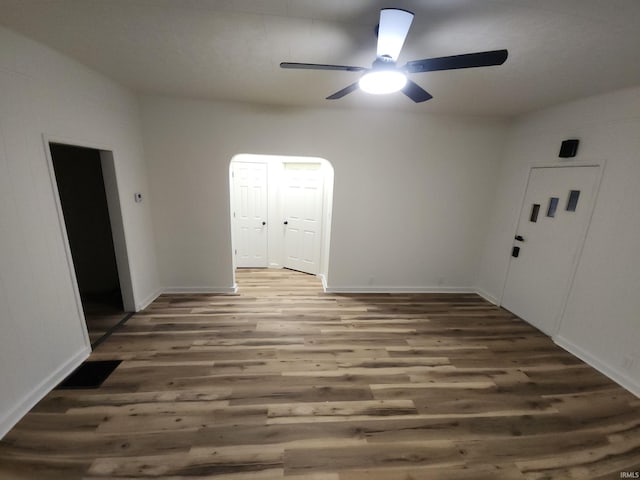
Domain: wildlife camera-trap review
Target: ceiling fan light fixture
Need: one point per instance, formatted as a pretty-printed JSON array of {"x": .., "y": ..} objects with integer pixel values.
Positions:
[
  {"x": 379, "y": 82},
  {"x": 385, "y": 77}
]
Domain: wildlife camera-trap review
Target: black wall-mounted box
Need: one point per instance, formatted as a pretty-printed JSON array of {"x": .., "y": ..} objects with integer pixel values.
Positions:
[{"x": 569, "y": 148}]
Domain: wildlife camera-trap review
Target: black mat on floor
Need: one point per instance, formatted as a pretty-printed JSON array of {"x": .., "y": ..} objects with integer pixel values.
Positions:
[{"x": 90, "y": 374}]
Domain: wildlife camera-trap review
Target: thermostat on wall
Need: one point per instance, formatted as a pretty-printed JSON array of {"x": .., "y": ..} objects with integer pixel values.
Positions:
[{"x": 137, "y": 197}]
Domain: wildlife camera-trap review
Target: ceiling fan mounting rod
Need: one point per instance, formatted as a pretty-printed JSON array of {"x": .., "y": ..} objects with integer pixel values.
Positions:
[{"x": 383, "y": 63}]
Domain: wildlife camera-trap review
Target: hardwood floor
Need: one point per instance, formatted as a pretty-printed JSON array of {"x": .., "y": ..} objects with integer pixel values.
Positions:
[
  {"x": 102, "y": 314},
  {"x": 101, "y": 321},
  {"x": 282, "y": 381}
]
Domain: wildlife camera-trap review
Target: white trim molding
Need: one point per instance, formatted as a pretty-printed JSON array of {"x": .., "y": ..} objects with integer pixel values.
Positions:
[
  {"x": 179, "y": 290},
  {"x": 184, "y": 290},
  {"x": 323, "y": 279},
  {"x": 9, "y": 420},
  {"x": 388, "y": 289},
  {"x": 603, "y": 367},
  {"x": 487, "y": 296},
  {"x": 148, "y": 300}
]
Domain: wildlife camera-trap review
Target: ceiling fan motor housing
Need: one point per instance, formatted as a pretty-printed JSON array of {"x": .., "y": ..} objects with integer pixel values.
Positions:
[{"x": 385, "y": 62}]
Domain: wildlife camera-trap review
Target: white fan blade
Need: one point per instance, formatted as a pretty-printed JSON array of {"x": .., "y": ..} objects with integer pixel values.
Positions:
[{"x": 393, "y": 29}]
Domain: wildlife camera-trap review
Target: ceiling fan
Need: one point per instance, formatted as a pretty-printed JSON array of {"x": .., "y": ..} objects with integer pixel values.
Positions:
[{"x": 385, "y": 76}]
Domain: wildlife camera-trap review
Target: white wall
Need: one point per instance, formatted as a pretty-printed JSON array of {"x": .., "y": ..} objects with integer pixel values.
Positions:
[
  {"x": 411, "y": 192},
  {"x": 42, "y": 332},
  {"x": 601, "y": 322}
]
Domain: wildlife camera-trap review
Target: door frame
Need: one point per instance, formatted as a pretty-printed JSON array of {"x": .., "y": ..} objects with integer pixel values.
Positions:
[
  {"x": 601, "y": 164},
  {"x": 111, "y": 186}
]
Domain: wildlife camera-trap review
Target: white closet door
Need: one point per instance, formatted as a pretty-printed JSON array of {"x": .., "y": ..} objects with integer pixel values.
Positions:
[
  {"x": 250, "y": 213},
  {"x": 302, "y": 201}
]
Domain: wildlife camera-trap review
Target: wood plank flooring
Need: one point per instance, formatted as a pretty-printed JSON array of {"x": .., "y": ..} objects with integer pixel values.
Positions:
[
  {"x": 101, "y": 317},
  {"x": 282, "y": 381}
]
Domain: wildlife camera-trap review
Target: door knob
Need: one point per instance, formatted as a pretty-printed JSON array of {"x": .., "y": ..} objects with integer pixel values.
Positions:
[
  {"x": 520, "y": 238},
  {"x": 264, "y": 223},
  {"x": 286, "y": 222}
]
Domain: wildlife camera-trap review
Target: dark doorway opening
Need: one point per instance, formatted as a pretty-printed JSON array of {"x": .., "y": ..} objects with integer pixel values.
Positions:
[{"x": 83, "y": 199}]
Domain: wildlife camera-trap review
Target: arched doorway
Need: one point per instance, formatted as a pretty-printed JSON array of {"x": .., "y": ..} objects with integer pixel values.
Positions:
[{"x": 281, "y": 212}]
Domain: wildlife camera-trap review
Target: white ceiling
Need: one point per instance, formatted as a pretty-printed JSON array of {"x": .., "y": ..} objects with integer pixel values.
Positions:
[{"x": 231, "y": 49}]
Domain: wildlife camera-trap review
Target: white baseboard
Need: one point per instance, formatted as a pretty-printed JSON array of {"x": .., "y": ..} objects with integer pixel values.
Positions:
[
  {"x": 378, "y": 289},
  {"x": 9, "y": 419},
  {"x": 149, "y": 300},
  {"x": 323, "y": 279},
  {"x": 487, "y": 296},
  {"x": 178, "y": 290},
  {"x": 603, "y": 367}
]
